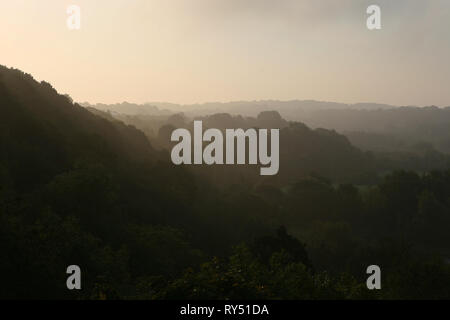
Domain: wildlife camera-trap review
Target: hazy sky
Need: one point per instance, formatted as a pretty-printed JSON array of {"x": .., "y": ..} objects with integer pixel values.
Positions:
[{"x": 188, "y": 51}]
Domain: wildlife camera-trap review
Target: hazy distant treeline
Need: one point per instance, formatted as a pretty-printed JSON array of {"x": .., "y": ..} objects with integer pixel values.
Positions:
[{"x": 369, "y": 126}]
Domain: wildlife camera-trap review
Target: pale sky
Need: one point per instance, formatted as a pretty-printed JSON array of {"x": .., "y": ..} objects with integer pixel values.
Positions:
[{"x": 192, "y": 51}]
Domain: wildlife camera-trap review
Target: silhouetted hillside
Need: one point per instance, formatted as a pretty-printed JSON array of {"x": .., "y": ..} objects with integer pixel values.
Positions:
[
  {"x": 44, "y": 133},
  {"x": 74, "y": 187}
]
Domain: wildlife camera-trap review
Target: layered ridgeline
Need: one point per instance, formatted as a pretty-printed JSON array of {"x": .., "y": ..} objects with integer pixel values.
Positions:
[
  {"x": 369, "y": 126},
  {"x": 303, "y": 151}
]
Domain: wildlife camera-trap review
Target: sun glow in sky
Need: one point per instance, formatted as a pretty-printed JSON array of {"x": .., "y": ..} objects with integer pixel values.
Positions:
[{"x": 189, "y": 51}]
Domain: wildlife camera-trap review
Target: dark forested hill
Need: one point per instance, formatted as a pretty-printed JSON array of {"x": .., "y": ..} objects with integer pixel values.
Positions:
[
  {"x": 43, "y": 133},
  {"x": 304, "y": 151},
  {"x": 73, "y": 187}
]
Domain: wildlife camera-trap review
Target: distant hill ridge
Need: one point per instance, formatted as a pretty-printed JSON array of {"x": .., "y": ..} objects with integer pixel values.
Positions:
[{"x": 288, "y": 109}]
